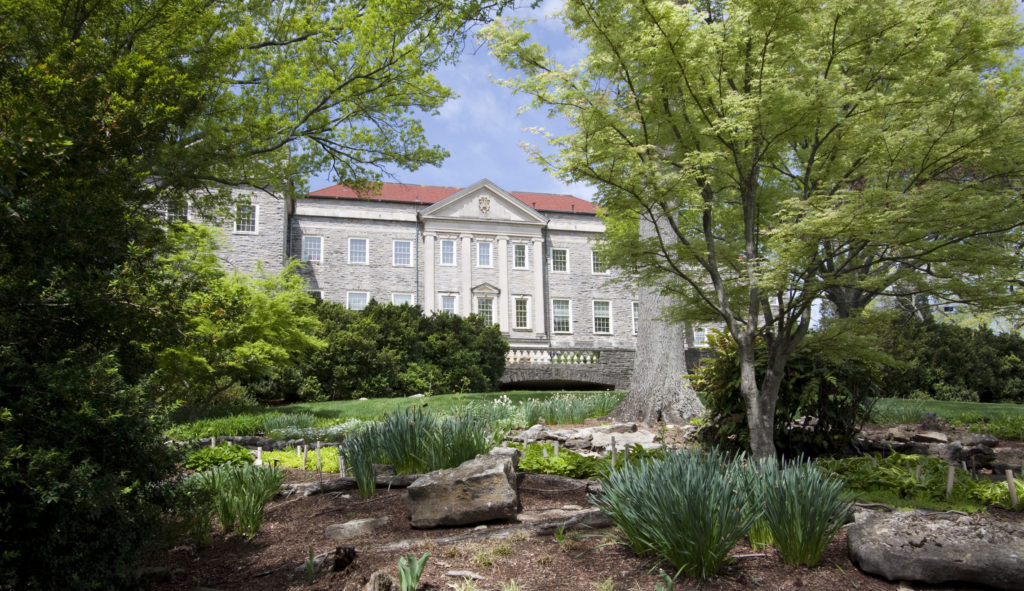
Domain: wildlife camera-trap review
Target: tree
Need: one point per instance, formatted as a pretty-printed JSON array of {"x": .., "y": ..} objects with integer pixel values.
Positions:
[
  {"x": 783, "y": 149},
  {"x": 109, "y": 110}
]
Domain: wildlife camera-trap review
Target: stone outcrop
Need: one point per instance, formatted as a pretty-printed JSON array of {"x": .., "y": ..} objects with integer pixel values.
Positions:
[
  {"x": 598, "y": 440},
  {"x": 976, "y": 451},
  {"x": 938, "y": 548},
  {"x": 478, "y": 490}
]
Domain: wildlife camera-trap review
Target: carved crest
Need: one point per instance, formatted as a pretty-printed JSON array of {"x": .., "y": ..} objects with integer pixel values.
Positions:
[{"x": 484, "y": 203}]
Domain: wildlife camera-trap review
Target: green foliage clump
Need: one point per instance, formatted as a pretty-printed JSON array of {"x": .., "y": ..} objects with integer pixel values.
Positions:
[
  {"x": 289, "y": 458},
  {"x": 944, "y": 361},
  {"x": 566, "y": 408},
  {"x": 566, "y": 463},
  {"x": 819, "y": 383},
  {"x": 388, "y": 351},
  {"x": 415, "y": 441},
  {"x": 893, "y": 480},
  {"x": 238, "y": 494},
  {"x": 209, "y": 457},
  {"x": 683, "y": 509}
]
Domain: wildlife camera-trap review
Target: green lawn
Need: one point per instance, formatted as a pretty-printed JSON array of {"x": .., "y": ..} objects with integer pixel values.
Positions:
[
  {"x": 1004, "y": 420},
  {"x": 376, "y": 408}
]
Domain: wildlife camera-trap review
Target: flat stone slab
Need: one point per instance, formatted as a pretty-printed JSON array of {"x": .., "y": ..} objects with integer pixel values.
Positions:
[
  {"x": 354, "y": 528},
  {"x": 938, "y": 548}
]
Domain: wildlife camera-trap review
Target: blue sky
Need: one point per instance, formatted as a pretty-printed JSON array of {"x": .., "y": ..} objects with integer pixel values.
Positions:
[{"x": 482, "y": 129}]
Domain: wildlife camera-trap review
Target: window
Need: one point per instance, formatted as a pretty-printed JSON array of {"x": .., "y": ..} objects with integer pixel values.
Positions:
[
  {"x": 597, "y": 264},
  {"x": 700, "y": 338},
  {"x": 357, "y": 300},
  {"x": 485, "y": 309},
  {"x": 518, "y": 256},
  {"x": 357, "y": 254},
  {"x": 447, "y": 252},
  {"x": 317, "y": 294},
  {"x": 636, "y": 315},
  {"x": 561, "y": 317},
  {"x": 559, "y": 259},
  {"x": 245, "y": 218},
  {"x": 177, "y": 211},
  {"x": 602, "y": 317},
  {"x": 483, "y": 254},
  {"x": 522, "y": 306},
  {"x": 401, "y": 298},
  {"x": 448, "y": 304},
  {"x": 402, "y": 253},
  {"x": 312, "y": 247}
]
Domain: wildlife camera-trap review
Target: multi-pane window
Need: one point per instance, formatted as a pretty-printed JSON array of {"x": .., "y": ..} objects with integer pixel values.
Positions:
[
  {"x": 483, "y": 254},
  {"x": 602, "y": 317},
  {"x": 522, "y": 313},
  {"x": 312, "y": 248},
  {"x": 700, "y": 337},
  {"x": 559, "y": 259},
  {"x": 177, "y": 211},
  {"x": 518, "y": 256},
  {"x": 245, "y": 218},
  {"x": 597, "y": 264},
  {"x": 402, "y": 256},
  {"x": 357, "y": 300},
  {"x": 357, "y": 251},
  {"x": 447, "y": 252},
  {"x": 636, "y": 316},
  {"x": 561, "y": 318},
  {"x": 485, "y": 309},
  {"x": 448, "y": 304},
  {"x": 401, "y": 298}
]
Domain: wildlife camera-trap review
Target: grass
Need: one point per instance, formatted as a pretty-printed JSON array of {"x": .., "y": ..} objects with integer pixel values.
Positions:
[
  {"x": 1003, "y": 420},
  {"x": 333, "y": 420}
]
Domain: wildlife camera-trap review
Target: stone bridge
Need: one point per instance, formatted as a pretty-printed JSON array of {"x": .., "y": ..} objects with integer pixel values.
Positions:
[{"x": 558, "y": 367}]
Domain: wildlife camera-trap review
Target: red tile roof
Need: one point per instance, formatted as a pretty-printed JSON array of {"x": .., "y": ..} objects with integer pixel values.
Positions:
[{"x": 428, "y": 195}]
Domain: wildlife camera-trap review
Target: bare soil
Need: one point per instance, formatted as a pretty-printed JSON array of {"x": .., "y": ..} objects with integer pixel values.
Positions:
[{"x": 274, "y": 559}]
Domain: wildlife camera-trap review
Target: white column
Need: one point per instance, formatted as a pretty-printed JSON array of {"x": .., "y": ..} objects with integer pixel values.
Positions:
[
  {"x": 503, "y": 297},
  {"x": 429, "y": 297},
  {"x": 539, "y": 326},
  {"x": 466, "y": 276}
]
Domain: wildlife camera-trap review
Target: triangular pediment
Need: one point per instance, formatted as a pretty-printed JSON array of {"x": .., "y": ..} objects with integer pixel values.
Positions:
[
  {"x": 483, "y": 201},
  {"x": 486, "y": 288}
]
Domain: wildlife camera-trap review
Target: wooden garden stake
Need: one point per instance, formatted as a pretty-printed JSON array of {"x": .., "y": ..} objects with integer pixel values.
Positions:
[
  {"x": 615, "y": 453},
  {"x": 917, "y": 473},
  {"x": 213, "y": 442},
  {"x": 625, "y": 454},
  {"x": 259, "y": 456},
  {"x": 303, "y": 455},
  {"x": 556, "y": 449},
  {"x": 1012, "y": 485},
  {"x": 950, "y": 477},
  {"x": 298, "y": 451},
  {"x": 544, "y": 452},
  {"x": 341, "y": 464},
  {"x": 319, "y": 465}
]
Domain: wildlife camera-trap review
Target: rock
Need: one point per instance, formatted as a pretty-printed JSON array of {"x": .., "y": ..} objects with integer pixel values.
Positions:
[
  {"x": 511, "y": 453},
  {"x": 615, "y": 428},
  {"x": 478, "y": 490},
  {"x": 1008, "y": 458},
  {"x": 465, "y": 574},
  {"x": 938, "y": 548},
  {"x": 972, "y": 439},
  {"x": 603, "y": 440},
  {"x": 897, "y": 434},
  {"x": 380, "y": 581},
  {"x": 930, "y": 437},
  {"x": 534, "y": 433},
  {"x": 581, "y": 441},
  {"x": 354, "y": 528}
]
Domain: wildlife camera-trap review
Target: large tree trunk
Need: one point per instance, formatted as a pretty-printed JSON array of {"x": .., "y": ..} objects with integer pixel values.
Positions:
[{"x": 659, "y": 390}]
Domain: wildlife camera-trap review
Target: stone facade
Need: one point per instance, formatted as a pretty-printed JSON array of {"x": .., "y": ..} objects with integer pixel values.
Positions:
[{"x": 525, "y": 259}]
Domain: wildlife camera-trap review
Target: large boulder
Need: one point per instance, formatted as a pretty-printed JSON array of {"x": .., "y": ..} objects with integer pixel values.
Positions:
[
  {"x": 938, "y": 548},
  {"x": 478, "y": 490}
]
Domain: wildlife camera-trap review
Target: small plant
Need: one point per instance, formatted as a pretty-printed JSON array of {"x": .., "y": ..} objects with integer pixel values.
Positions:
[
  {"x": 511, "y": 585},
  {"x": 666, "y": 583},
  {"x": 483, "y": 558},
  {"x": 239, "y": 494},
  {"x": 310, "y": 567},
  {"x": 208, "y": 457},
  {"x": 467, "y": 584},
  {"x": 605, "y": 585},
  {"x": 691, "y": 524},
  {"x": 803, "y": 509},
  {"x": 410, "y": 570}
]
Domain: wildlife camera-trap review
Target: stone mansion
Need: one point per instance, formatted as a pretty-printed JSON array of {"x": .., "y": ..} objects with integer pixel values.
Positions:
[{"x": 524, "y": 261}]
